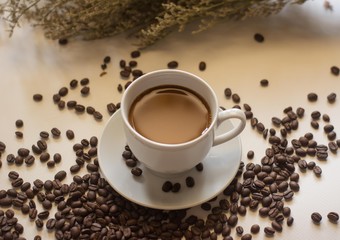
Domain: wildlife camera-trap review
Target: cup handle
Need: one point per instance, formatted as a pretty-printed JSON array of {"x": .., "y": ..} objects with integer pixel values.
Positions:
[{"x": 228, "y": 114}]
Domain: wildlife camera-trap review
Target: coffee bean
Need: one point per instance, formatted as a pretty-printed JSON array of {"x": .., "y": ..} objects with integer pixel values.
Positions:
[
  {"x": 333, "y": 147},
  {"x": 326, "y": 117},
  {"x": 17, "y": 182},
  {"x": 202, "y": 66},
  {"x": 43, "y": 215},
  {"x": 255, "y": 228},
  {"x": 39, "y": 223},
  {"x": 2, "y": 146},
  {"x": 13, "y": 175},
  {"x": 79, "y": 108},
  {"x": 61, "y": 175},
  {"x": 227, "y": 92},
  {"x": 277, "y": 226},
  {"x": 269, "y": 231},
  {"x": 23, "y": 152},
  {"x": 316, "y": 217},
  {"x": 75, "y": 168},
  {"x": 135, "y": 54},
  {"x": 172, "y": 64},
  {"x": 32, "y": 214},
  {"x": 37, "y": 97},
  {"x": 71, "y": 104},
  {"x": 50, "y": 224},
  {"x": 85, "y": 90},
  {"x": 331, "y": 136},
  {"x": 333, "y": 217},
  {"x": 61, "y": 104},
  {"x": 97, "y": 115},
  {"x": 167, "y": 186},
  {"x": 232, "y": 221},
  {"x": 50, "y": 164},
  {"x": 92, "y": 167},
  {"x": 250, "y": 154},
  {"x": 55, "y": 132},
  {"x": 190, "y": 182},
  {"x": 331, "y": 97},
  {"x": 235, "y": 97},
  {"x": 199, "y": 167},
  {"x": 312, "y": 97},
  {"x": 42, "y": 145},
  {"x": 335, "y": 70},
  {"x": 90, "y": 110},
  {"x": 70, "y": 134},
  {"x": 111, "y": 108},
  {"x": 136, "y": 171},
  {"x": 264, "y": 82},
  {"x": 259, "y": 37},
  {"x": 63, "y": 91},
  {"x": 314, "y": 124},
  {"x": 73, "y": 83},
  {"x": 239, "y": 230},
  {"x": 290, "y": 221},
  {"x": 25, "y": 186}
]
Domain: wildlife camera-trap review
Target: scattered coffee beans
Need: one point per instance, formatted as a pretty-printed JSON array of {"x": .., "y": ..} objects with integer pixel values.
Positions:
[
  {"x": 316, "y": 217},
  {"x": 335, "y": 70},
  {"x": 259, "y": 37}
]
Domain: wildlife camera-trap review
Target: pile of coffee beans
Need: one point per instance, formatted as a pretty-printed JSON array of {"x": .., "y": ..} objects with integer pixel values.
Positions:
[{"x": 88, "y": 207}]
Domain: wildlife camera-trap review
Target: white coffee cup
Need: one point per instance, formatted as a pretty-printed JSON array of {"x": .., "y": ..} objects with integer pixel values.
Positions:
[{"x": 177, "y": 158}]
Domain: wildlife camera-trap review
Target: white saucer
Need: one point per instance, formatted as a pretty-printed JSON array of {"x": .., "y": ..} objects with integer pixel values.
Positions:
[{"x": 220, "y": 167}]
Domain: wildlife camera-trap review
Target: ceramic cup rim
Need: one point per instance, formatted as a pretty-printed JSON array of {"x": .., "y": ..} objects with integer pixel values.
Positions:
[{"x": 175, "y": 146}]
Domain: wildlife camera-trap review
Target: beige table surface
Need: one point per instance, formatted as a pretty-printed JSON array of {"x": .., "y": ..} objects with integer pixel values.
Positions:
[{"x": 301, "y": 44}]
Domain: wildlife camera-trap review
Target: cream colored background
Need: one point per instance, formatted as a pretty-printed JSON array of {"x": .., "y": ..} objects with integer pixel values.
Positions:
[{"x": 301, "y": 44}]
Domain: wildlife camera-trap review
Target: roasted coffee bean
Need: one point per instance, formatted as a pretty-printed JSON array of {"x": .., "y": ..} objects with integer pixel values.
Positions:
[
  {"x": 73, "y": 83},
  {"x": 13, "y": 175},
  {"x": 331, "y": 97},
  {"x": 19, "y": 134},
  {"x": 39, "y": 223},
  {"x": 70, "y": 134},
  {"x": 333, "y": 217},
  {"x": 331, "y": 136},
  {"x": 227, "y": 92},
  {"x": 300, "y": 112},
  {"x": 85, "y": 90},
  {"x": 167, "y": 186},
  {"x": 321, "y": 155},
  {"x": 19, "y": 123},
  {"x": 43, "y": 215},
  {"x": 258, "y": 37},
  {"x": 264, "y": 82},
  {"x": 136, "y": 171},
  {"x": 17, "y": 182},
  {"x": 79, "y": 108},
  {"x": 290, "y": 221},
  {"x": 236, "y": 98},
  {"x": 316, "y": 217},
  {"x": 326, "y": 117},
  {"x": 56, "y": 98},
  {"x": 190, "y": 181},
  {"x": 32, "y": 214},
  {"x": 75, "y": 168},
  {"x": 312, "y": 97},
  {"x": 84, "y": 81},
  {"x": 63, "y": 91},
  {"x": 71, "y": 104},
  {"x": 333, "y": 146},
  {"x": 314, "y": 124},
  {"x": 92, "y": 167},
  {"x": 97, "y": 115},
  {"x": 255, "y": 228},
  {"x": 239, "y": 230},
  {"x": 61, "y": 175},
  {"x": 55, "y": 132},
  {"x": 25, "y": 186},
  {"x": 37, "y": 97},
  {"x": 269, "y": 231},
  {"x": 232, "y": 221},
  {"x": 61, "y": 104},
  {"x": 50, "y": 224},
  {"x": 42, "y": 145},
  {"x": 250, "y": 154},
  {"x": 202, "y": 66},
  {"x": 335, "y": 70},
  {"x": 111, "y": 108},
  {"x": 173, "y": 64},
  {"x": 176, "y": 187},
  {"x": 135, "y": 54},
  {"x": 277, "y": 226},
  {"x": 315, "y": 115},
  {"x": 44, "y": 157},
  {"x": 23, "y": 152}
]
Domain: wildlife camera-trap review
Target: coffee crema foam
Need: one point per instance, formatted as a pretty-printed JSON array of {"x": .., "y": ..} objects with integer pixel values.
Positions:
[{"x": 170, "y": 114}]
